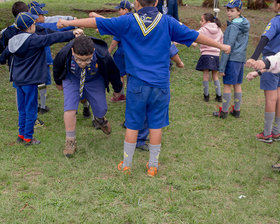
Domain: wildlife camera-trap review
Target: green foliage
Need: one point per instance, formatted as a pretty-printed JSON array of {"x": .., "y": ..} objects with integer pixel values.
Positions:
[{"x": 206, "y": 163}]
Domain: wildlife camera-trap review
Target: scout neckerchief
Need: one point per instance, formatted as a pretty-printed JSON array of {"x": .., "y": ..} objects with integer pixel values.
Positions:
[
  {"x": 145, "y": 20},
  {"x": 82, "y": 81}
]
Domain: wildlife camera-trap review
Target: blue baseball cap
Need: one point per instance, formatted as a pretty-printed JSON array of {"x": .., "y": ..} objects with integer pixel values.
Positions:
[
  {"x": 124, "y": 4},
  {"x": 24, "y": 20},
  {"x": 234, "y": 4},
  {"x": 35, "y": 10},
  {"x": 34, "y": 3}
]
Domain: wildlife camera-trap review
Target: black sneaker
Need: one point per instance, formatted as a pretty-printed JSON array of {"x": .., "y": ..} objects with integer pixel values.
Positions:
[
  {"x": 43, "y": 111},
  {"x": 34, "y": 141},
  {"x": 86, "y": 112},
  {"x": 220, "y": 113},
  {"x": 235, "y": 113},
  {"x": 144, "y": 147},
  {"x": 206, "y": 98},
  {"x": 218, "y": 98},
  {"x": 19, "y": 140}
]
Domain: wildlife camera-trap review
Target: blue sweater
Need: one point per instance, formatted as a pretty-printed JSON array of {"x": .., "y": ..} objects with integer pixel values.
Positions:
[
  {"x": 236, "y": 35},
  {"x": 29, "y": 59}
]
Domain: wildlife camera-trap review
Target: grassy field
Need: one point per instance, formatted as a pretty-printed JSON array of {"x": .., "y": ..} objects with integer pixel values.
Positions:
[{"x": 206, "y": 163}]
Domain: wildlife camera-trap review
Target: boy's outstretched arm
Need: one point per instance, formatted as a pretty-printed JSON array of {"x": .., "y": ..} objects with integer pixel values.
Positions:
[
  {"x": 202, "y": 39},
  {"x": 88, "y": 23}
]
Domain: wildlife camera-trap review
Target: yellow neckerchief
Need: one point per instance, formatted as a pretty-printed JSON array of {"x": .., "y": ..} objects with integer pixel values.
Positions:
[{"x": 147, "y": 30}]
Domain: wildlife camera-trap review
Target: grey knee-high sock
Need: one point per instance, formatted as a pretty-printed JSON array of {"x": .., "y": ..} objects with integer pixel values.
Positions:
[
  {"x": 154, "y": 155},
  {"x": 71, "y": 134},
  {"x": 43, "y": 97},
  {"x": 237, "y": 100},
  {"x": 206, "y": 88},
  {"x": 276, "y": 127},
  {"x": 217, "y": 87},
  {"x": 226, "y": 101},
  {"x": 129, "y": 149},
  {"x": 268, "y": 121}
]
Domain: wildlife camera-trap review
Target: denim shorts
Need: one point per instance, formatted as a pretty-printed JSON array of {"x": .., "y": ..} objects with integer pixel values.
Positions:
[
  {"x": 270, "y": 81},
  {"x": 145, "y": 102},
  {"x": 120, "y": 62},
  {"x": 94, "y": 92},
  {"x": 233, "y": 73}
]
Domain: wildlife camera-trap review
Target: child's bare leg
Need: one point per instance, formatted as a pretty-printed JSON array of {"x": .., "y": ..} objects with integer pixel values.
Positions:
[
  {"x": 270, "y": 106},
  {"x": 276, "y": 127},
  {"x": 129, "y": 146},
  {"x": 237, "y": 96},
  {"x": 154, "y": 146},
  {"x": 178, "y": 61},
  {"x": 205, "y": 82},
  {"x": 70, "y": 121}
]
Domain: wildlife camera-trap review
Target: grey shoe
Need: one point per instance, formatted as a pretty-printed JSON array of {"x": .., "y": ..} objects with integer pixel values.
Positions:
[{"x": 34, "y": 141}]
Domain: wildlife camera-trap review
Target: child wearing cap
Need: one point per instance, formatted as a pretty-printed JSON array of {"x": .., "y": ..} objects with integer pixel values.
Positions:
[
  {"x": 36, "y": 10},
  {"x": 28, "y": 69},
  {"x": 232, "y": 65},
  {"x": 49, "y": 19},
  {"x": 269, "y": 82},
  {"x": 146, "y": 37}
]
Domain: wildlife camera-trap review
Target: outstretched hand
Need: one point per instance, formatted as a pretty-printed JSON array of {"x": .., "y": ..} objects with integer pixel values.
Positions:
[
  {"x": 78, "y": 32},
  {"x": 257, "y": 65},
  {"x": 226, "y": 48},
  {"x": 252, "y": 75},
  {"x": 61, "y": 23}
]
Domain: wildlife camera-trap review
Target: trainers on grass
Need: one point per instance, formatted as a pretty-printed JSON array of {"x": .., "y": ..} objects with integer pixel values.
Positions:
[
  {"x": 125, "y": 170},
  {"x": 220, "y": 113},
  {"x": 86, "y": 112},
  {"x": 267, "y": 139},
  {"x": 70, "y": 147}
]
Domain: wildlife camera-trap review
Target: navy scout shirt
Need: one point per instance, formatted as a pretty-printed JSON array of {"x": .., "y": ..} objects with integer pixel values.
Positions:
[{"x": 146, "y": 38}]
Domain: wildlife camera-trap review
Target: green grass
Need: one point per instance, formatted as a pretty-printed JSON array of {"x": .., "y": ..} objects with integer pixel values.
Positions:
[{"x": 206, "y": 163}]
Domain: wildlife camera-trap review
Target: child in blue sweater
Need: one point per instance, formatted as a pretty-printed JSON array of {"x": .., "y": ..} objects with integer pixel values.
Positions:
[
  {"x": 28, "y": 69},
  {"x": 232, "y": 65}
]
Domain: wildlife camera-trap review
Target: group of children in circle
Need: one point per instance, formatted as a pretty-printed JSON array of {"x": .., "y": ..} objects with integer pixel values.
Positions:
[{"x": 230, "y": 66}]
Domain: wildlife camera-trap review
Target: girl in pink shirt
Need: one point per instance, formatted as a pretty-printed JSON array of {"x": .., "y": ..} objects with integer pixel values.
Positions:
[{"x": 209, "y": 59}]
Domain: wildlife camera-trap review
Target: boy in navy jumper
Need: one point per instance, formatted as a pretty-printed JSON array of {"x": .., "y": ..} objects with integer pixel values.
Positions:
[
  {"x": 28, "y": 69},
  {"x": 146, "y": 37},
  {"x": 83, "y": 69}
]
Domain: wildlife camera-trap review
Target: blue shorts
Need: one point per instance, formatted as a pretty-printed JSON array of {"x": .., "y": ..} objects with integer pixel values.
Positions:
[
  {"x": 270, "y": 81},
  {"x": 233, "y": 73},
  {"x": 145, "y": 102},
  {"x": 120, "y": 62},
  {"x": 94, "y": 92},
  {"x": 173, "y": 50}
]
